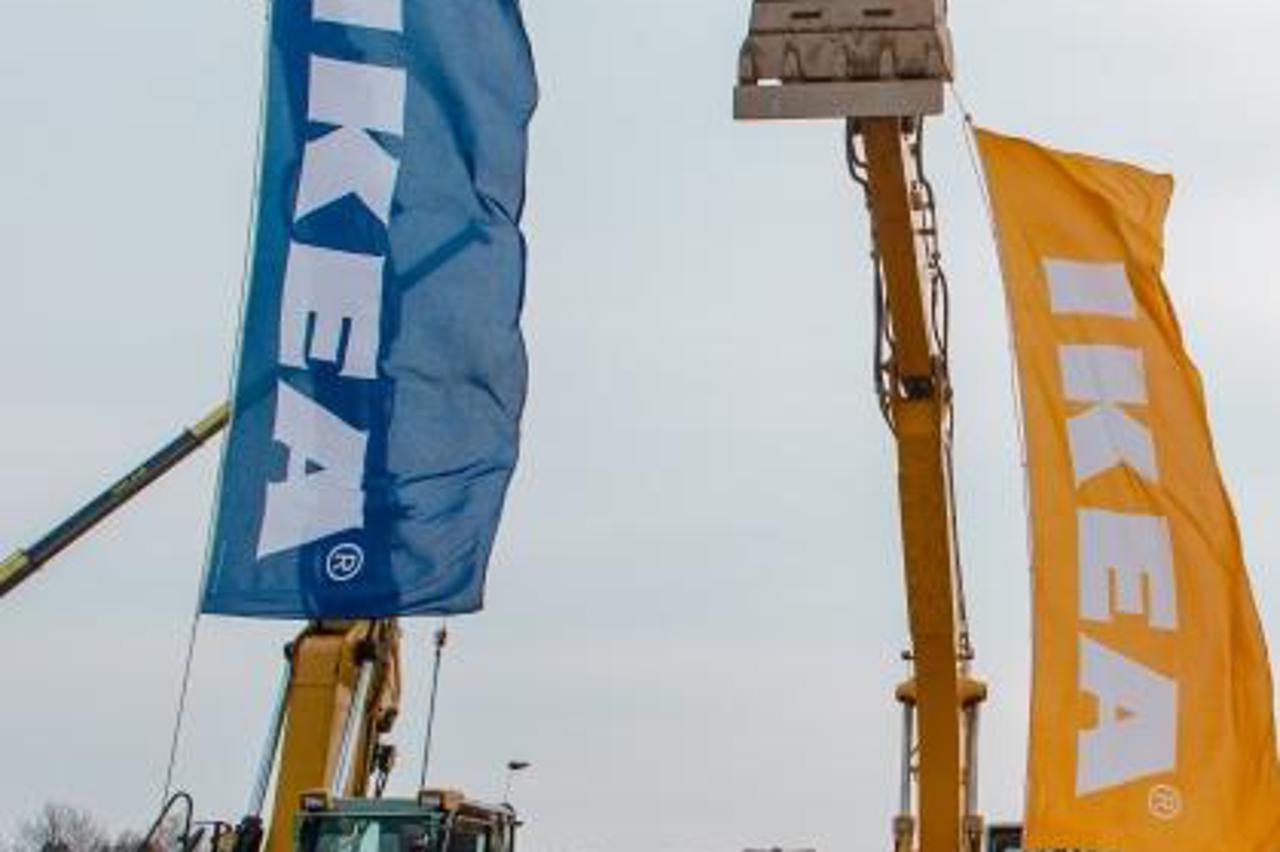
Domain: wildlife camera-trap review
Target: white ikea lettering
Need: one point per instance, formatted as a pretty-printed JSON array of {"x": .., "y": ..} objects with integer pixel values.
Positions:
[
  {"x": 327, "y": 291},
  {"x": 376, "y": 14},
  {"x": 1105, "y": 436},
  {"x": 1137, "y": 731},
  {"x": 342, "y": 163},
  {"x": 1125, "y": 560},
  {"x": 331, "y": 299},
  {"x": 352, "y": 94},
  {"x": 1097, "y": 289},
  {"x": 1132, "y": 549},
  {"x": 1106, "y": 374},
  {"x": 321, "y": 493}
]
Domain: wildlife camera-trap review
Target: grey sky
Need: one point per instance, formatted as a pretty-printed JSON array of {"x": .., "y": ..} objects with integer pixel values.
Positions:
[{"x": 696, "y": 607}]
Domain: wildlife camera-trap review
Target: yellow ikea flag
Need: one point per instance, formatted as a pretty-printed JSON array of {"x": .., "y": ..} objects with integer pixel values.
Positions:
[{"x": 1151, "y": 720}]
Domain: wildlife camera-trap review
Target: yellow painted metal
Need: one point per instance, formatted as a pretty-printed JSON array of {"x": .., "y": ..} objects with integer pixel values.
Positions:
[
  {"x": 13, "y": 565},
  {"x": 919, "y": 407},
  {"x": 22, "y": 564},
  {"x": 326, "y": 666},
  {"x": 212, "y": 422}
]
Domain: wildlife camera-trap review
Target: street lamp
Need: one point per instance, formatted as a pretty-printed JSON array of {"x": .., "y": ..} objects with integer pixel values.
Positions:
[{"x": 513, "y": 766}]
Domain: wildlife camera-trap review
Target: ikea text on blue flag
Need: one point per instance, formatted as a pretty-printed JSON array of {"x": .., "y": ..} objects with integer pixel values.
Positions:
[{"x": 381, "y": 373}]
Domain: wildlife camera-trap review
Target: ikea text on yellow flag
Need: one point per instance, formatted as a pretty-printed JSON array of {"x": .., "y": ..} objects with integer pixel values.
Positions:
[{"x": 1151, "y": 711}]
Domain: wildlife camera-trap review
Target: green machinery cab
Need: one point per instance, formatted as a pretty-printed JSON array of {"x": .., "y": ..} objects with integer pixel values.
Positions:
[{"x": 437, "y": 821}]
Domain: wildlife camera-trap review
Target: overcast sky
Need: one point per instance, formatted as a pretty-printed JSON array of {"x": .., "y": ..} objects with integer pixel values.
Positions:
[{"x": 696, "y": 607}]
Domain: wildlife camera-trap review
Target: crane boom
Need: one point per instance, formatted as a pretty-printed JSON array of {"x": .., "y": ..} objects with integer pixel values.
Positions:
[
  {"x": 881, "y": 65},
  {"x": 919, "y": 403},
  {"x": 24, "y": 562},
  {"x": 342, "y": 694}
]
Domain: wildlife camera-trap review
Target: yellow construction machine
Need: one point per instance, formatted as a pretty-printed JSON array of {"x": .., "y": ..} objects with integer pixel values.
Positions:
[
  {"x": 338, "y": 698},
  {"x": 882, "y": 66},
  {"x": 325, "y": 747}
]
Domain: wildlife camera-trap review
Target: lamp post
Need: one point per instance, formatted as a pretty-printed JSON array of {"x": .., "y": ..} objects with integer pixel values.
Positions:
[{"x": 513, "y": 766}]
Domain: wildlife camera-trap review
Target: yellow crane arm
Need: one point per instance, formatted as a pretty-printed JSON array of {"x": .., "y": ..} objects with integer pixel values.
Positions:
[
  {"x": 25, "y": 562},
  {"x": 340, "y": 697},
  {"x": 918, "y": 407},
  {"x": 919, "y": 399},
  {"x": 881, "y": 65}
]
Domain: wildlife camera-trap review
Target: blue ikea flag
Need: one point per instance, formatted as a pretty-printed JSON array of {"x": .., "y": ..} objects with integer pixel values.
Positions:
[{"x": 381, "y": 373}]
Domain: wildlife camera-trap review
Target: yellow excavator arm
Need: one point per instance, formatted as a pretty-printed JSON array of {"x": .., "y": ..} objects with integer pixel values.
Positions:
[
  {"x": 881, "y": 65},
  {"x": 340, "y": 695},
  {"x": 942, "y": 696}
]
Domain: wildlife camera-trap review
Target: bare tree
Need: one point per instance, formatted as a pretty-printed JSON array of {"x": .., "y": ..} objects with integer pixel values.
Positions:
[
  {"x": 60, "y": 828},
  {"x": 63, "y": 828}
]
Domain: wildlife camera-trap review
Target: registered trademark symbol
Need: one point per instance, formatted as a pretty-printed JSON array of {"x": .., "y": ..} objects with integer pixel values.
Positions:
[
  {"x": 1164, "y": 802},
  {"x": 344, "y": 562}
]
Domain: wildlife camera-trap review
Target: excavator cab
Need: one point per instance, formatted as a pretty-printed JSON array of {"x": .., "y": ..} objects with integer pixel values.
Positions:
[{"x": 438, "y": 821}]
